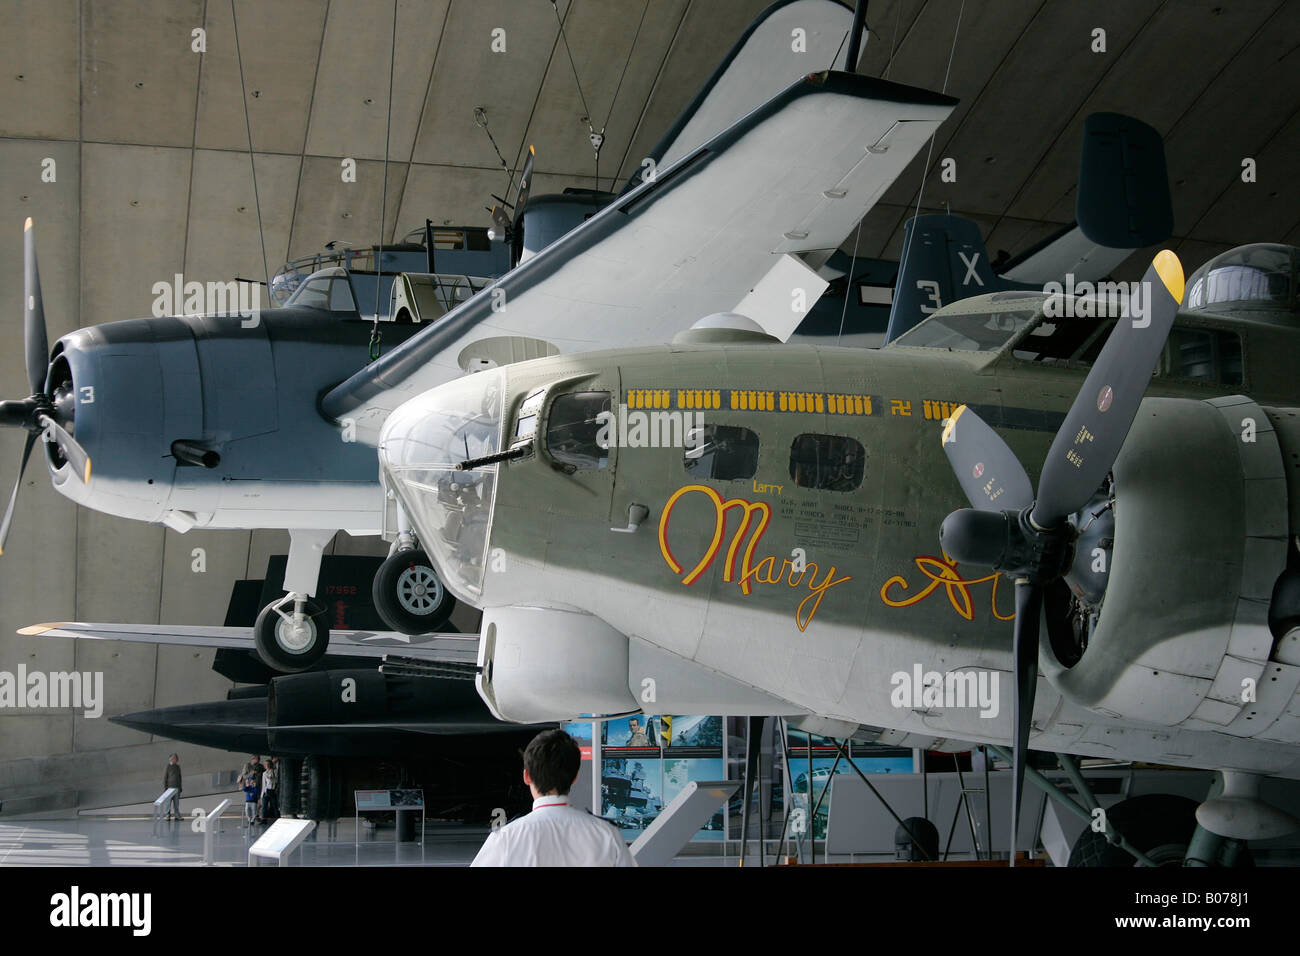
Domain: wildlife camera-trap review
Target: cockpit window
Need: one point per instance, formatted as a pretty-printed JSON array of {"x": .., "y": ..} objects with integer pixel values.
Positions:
[
  {"x": 1259, "y": 275},
  {"x": 827, "y": 462},
  {"x": 984, "y": 325},
  {"x": 329, "y": 291},
  {"x": 721, "y": 452},
  {"x": 1056, "y": 341},
  {"x": 574, "y": 430}
]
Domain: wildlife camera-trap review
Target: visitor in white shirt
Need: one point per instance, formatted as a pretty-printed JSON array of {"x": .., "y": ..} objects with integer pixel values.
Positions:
[{"x": 554, "y": 834}]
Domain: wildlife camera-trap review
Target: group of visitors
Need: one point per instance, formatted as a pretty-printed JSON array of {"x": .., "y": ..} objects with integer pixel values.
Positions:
[{"x": 259, "y": 781}]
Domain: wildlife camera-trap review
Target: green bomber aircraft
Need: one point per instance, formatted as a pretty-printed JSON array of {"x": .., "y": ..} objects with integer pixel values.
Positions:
[{"x": 728, "y": 524}]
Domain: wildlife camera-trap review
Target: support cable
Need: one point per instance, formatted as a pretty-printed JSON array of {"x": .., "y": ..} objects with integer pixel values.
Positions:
[
  {"x": 248, "y": 128},
  {"x": 925, "y": 170},
  {"x": 383, "y": 202}
]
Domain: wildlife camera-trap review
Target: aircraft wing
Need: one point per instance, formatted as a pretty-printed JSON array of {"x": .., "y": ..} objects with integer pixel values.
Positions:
[
  {"x": 764, "y": 61},
  {"x": 439, "y": 648},
  {"x": 739, "y": 224}
]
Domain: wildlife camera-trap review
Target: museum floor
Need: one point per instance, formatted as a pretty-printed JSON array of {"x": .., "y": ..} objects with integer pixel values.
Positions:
[{"x": 128, "y": 836}]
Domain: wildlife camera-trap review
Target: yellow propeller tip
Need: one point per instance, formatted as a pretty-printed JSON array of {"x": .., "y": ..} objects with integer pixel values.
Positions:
[
  {"x": 952, "y": 423},
  {"x": 531, "y": 150},
  {"x": 27, "y": 225},
  {"x": 1170, "y": 271},
  {"x": 86, "y": 478}
]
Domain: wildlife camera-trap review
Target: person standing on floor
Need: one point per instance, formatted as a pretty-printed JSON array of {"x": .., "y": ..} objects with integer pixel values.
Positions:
[
  {"x": 554, "y": 834},
  {"x": 172, "y": 778},
  {"x": 268, "y": 809}
]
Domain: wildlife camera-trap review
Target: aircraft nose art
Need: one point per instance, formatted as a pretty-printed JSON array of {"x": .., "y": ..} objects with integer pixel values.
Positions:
[{"x": 422, "y": 443}]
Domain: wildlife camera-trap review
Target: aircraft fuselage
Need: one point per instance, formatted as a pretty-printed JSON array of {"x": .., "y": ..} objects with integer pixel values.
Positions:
[{"x": 810, "y": 570}]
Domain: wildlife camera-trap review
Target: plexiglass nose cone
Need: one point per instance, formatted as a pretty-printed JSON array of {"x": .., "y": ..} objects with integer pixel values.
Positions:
[{"x": 420, "y": 446}]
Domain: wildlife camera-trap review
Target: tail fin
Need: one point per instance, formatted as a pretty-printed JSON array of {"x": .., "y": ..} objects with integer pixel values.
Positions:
[
  {"x": 1123, "y": 200},
  {"x": 1122, "y": 205},
  {"x": 944, "y": 260}
]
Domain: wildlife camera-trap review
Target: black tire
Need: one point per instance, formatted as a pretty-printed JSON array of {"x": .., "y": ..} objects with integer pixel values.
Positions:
[
  {"x": 1158, "y": 824},
  {"x": 279, "y": 654},
  {"x": 409, "y": 595},
  {"x": 323, "y": 799},
  {"x": 290, "y": 786}
]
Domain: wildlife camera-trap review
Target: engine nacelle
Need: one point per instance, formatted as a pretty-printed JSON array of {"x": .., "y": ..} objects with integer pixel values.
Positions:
[
  {"x": 542, "y": 664},
  {"x": 327, "y": 697},
  {"x": 546, "y": 664},
  {"x": 1201, "y": 536}
]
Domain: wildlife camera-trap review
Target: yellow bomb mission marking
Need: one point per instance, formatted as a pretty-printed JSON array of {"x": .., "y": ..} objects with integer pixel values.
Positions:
[{"x": 759, "y": 514}]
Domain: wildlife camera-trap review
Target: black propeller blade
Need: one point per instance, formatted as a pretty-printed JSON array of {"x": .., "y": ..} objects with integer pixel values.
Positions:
[
  {"x": 504, "y": 227},
  {"x": 988, "y": 470},
  {"x": 1103, "y": 411},
  {"x": 525, "y": 184},
  {"x": 1030, "y": 540},
  {"x": 37, "y": 345},
  {"x": 13, "y": 496},
  {"x": 38, "y": 412},
  {"x": 1029, "y": 604},
  {"x": 501, "y": 221}
]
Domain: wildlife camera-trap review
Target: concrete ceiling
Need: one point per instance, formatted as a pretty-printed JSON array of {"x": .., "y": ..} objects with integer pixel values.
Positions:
[{"x": 151, "y": 151}]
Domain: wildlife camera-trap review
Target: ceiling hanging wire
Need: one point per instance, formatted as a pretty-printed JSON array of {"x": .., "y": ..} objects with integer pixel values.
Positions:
[
  {"x": 907, "y": 248},
  {"x": 383, "y": 206},
  {"x": 857, "y": 27},
  {"x": 481, "y": 121},
  {"x": 850, "y": 285},
  {"x": 893, "y": 41},
  {"x": 598, "y": 138},
  {"x": 248, "y": 128}
]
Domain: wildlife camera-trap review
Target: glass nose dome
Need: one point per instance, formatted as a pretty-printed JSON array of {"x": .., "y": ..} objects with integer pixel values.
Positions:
[
  {"x": 420, "y": 446},
  {"x": 1257, "y": 276}
]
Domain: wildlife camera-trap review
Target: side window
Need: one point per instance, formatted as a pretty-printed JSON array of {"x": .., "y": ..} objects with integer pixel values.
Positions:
[
  {"x": 341, "y": 297},
  {"x": 1204, "y": 355},
  {"x": 721, "y": 452},
  {"x": 315, "y": 294},
  {"x": 827, "y": 462},
  {"x": 573, "y": 430}
]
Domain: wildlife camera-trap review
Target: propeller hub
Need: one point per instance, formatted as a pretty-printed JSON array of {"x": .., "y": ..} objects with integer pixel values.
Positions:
[
  {"x": 17, "y": 414},
  {"x": 1008, "y": 541},
  {"x": 26, "y": 413}
]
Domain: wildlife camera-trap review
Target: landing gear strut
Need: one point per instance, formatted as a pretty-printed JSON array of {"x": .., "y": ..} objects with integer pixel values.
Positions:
[
  {"x": 407, "y": 592},
  {"x": 293, "y": 633}
]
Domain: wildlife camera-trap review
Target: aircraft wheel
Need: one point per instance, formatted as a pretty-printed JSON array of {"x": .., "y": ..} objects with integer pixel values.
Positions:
[
  {"x": 287, "y": 647},
  {"x": 409, "y": 595},
  {"x": 290, "y": 786},
  {"x": 324, "y": 797},
  {"x": 1158, "y": 824}
]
